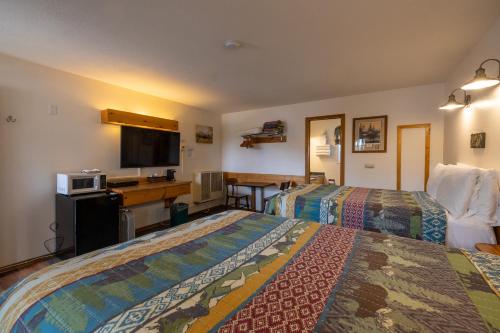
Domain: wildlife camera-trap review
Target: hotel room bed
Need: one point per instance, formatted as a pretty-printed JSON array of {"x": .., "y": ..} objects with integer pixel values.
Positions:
[
  {"x": 408, "y": 214},
  {"x": 240, "y": 271}
]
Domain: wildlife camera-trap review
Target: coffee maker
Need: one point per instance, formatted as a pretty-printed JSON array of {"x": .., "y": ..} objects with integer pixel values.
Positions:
[{"x": 170, "y": 175}]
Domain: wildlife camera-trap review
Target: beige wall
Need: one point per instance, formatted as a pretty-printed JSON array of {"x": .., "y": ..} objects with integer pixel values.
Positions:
[
  {"x": 484, "y": 113},
  {"x": 403, "y": 106},
  {"x": 38, "y": 145},
  {"x": 330, "y": 165}
]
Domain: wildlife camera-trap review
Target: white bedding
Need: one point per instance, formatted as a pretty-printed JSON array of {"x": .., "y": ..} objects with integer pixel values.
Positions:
[{"x": 465, "y": 232}]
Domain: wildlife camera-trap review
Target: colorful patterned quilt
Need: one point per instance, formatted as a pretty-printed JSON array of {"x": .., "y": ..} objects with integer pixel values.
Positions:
[
  {"x": 406, "y": 214},
  {"x": 247, "y": 272}
]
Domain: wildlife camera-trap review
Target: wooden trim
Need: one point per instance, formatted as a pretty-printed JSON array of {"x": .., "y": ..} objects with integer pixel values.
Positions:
[
  {"x": 385, "y": 135},
  {"x": 427, "y": 128},
  {"x": 116, "y": 117},
  {"x": 308, "y": 139},
  {"x": 25, "y": 263},
  {"x": 262, "y": 177}
]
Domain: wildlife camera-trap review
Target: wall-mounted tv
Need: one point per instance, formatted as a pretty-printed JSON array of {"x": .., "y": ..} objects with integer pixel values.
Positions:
[{"x": 142, "y": 148}]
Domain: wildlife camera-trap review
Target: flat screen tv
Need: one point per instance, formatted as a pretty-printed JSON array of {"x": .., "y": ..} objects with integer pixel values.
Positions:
[{"x": 142, "y": 148}]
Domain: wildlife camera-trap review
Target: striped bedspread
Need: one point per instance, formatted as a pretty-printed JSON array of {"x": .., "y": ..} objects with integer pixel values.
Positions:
[
  {"x": 247, "y": 272},
  {"x": 407, "y": 214}
]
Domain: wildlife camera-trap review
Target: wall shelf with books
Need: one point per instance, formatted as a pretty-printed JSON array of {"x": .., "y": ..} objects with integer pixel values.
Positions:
[{"x": 271, "y": 132}]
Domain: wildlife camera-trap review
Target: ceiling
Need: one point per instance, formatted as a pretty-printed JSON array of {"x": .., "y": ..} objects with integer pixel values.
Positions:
[{"x": 294, "y": 50}]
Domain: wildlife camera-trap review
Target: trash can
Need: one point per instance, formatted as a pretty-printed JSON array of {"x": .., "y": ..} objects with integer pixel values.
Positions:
[{"x": 178, "y": 214}]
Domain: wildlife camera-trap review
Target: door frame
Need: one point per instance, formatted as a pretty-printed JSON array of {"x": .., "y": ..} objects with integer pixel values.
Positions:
[
  {"x": 342, "y": 143},
  {"x": 427, "y": 148}
]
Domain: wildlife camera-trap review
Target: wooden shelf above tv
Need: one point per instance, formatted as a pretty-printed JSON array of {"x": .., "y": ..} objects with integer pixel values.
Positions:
[{"x": 116, "y": 117}]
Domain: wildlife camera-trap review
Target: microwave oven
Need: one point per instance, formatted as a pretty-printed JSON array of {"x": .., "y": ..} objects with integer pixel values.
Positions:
[{"x": 79, "y": 183}]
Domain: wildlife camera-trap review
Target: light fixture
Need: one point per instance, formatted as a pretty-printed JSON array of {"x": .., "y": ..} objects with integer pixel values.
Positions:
[
  {"x": 452, "y": 103},
  {"x": 480, "y": 80},
  {"x": 232, "y": 44}
]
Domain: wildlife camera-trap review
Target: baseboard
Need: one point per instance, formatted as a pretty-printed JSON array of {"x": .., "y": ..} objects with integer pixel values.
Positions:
[
  {"x": 151, "y": 227},
  {"x": 139, "y": 232},
  {"x": 166, "y": 224},
  {"x": 29, "y": 262}
]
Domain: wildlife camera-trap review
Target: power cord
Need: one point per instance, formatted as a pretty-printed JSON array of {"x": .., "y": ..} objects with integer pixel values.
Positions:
[{"x": 58, "y": 241}]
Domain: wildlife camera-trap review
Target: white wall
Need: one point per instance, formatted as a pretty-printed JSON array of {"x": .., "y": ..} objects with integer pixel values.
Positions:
[
  {"x": 38, "y": 145},
  {"x": 403, "y": 106},
  {"x": 330, "y": 165},
  {"x": 484, "y": 114}
]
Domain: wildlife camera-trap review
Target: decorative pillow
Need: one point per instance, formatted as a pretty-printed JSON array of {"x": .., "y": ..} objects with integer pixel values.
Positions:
[
  {"x": 484, "y": 200},
  {"x": 435, "y": 179},
  {"x": 455, "y": 189}
]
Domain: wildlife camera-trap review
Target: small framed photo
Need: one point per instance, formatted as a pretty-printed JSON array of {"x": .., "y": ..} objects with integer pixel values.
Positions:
[
  {"x": 204, "y": 134},
  {"x": 478, "y": 140},
  {"x": 369, "y": 135}
]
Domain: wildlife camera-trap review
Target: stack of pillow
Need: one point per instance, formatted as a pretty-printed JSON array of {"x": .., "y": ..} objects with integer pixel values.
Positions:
[{"x": 466, "y": 191}]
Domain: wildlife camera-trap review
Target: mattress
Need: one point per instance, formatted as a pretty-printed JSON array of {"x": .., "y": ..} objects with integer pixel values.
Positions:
[
  {"x": 406, "y": 214},
  {"x": 248, "y": 272}
]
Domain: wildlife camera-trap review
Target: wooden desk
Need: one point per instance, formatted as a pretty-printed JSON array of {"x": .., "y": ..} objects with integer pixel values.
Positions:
[
  {"x": 150, "y": 192},
  {"x": 254, "y": 186},
  {"x": 490, "y": 248}
]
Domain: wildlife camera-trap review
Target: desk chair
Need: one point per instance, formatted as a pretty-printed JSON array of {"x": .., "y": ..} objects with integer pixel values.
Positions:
[{"x": 232, "y": 193}]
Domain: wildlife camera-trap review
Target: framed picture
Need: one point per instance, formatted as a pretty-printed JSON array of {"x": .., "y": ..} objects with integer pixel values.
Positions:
[
  {"x": 369, "y": 135},
  {"x": 478, "y": 140},
  {"x": 204, "y": 134}
]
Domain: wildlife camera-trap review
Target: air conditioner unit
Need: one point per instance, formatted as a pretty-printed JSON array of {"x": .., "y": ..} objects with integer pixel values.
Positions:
[
  {"x": 207, "y": 186},
  {"x": 324, "y": 150}
]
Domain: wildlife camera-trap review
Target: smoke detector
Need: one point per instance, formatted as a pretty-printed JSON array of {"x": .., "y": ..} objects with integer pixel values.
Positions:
[{"x": 232, "y": 44}]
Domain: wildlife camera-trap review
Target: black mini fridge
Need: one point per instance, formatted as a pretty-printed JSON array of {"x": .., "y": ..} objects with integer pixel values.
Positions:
[{"x": 87, "y": 222}]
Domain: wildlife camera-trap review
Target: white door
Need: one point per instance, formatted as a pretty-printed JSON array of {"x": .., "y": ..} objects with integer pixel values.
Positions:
[{"x": 413, "y": 159}]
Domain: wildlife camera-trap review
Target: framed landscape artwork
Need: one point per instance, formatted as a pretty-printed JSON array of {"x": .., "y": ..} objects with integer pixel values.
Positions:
[
  {"x": 204, "y": 134},
  {"x": 478, "y": 140},
  {"x": 369, "y": 135}
]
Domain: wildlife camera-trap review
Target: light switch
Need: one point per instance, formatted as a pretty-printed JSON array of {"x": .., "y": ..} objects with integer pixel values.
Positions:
[{"x": 53, "y": 111}]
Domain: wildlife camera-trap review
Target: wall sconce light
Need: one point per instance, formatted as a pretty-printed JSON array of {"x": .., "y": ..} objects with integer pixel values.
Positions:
[
  {"x": 452, "y": 103},
  {"x": 480, "y": 80}
]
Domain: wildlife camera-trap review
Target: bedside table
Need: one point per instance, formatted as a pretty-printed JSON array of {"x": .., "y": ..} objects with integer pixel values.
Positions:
[{"x": 490, "y": 248}]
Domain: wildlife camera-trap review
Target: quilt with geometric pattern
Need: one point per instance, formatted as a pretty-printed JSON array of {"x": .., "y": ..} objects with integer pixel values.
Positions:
[
  {"x": 407, "y": 214},
  {"x": 240, "y": 271}
]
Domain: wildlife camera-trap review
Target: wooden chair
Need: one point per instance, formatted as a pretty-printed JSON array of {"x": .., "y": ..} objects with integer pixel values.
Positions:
[
  {"x": 285, "y": 185},
  {"x": 231, "y": 186}
]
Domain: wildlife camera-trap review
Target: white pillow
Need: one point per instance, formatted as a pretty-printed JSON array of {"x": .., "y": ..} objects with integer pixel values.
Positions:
[
  {"x": 497, "y": 224},
  {"x": 435, "y": 179},
  {"x": 484, "y": 200},
  {"x": 498, "y": 213},
  {"x": 455, "y": 189}
]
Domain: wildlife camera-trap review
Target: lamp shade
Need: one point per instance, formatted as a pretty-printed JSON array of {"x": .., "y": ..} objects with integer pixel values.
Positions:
[
  {"x": 452, "y": 104},
  {"x": 480, "y": 81}
]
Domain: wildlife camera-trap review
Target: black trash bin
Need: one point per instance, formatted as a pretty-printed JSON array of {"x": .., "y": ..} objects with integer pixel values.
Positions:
[{"x": 178, "y": 214}]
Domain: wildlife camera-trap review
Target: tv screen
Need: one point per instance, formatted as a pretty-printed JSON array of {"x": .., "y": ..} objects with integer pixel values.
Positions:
[{"x": 142, "y": 147}]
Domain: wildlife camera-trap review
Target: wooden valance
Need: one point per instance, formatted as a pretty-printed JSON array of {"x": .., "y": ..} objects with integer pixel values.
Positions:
[{"x": 110, "y": 116}]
